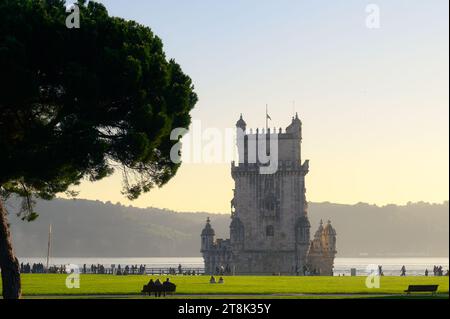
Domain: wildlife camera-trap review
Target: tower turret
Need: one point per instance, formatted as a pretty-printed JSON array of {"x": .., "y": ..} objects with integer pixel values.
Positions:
[
  {"x": 241, "y": 143},
  {"x": 295, "y": 127},
  {"x": 241, "y": 124},
  {"x": 207, "y": 236},
  {"x": 319, "y": 231},
  {"x": 329, "y": 239}
]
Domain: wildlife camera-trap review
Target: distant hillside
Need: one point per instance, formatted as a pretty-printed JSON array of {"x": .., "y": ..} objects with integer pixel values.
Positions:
[{"x": 83, "y": 228}]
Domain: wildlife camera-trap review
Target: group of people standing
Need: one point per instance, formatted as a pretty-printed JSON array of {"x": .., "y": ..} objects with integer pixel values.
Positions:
[
  {"x": 437, "y": 271},
  {"x": 309, "y": 272},
  {"x": 181, "y": 271},
  {"x": 128, "y": 270},
  {"x": 39, "y": 268},
  {"x": 223, "y": 270},
  {"x": 113, "y": 270},
  {"x": 32, "y": 269},
  {"x": 94, "y": 269}
]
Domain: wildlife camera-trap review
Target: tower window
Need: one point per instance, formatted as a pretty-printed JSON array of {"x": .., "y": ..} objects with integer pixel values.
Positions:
[{"x": 269, "y": 231}]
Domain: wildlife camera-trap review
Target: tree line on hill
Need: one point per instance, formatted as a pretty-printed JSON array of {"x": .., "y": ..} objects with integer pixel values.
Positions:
[{"x": 85, "y": 228}]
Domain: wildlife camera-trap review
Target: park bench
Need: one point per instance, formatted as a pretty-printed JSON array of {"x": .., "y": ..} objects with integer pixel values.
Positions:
[
  {"x": 158, "y": 290},
  {"x": 422, "y": 288}
]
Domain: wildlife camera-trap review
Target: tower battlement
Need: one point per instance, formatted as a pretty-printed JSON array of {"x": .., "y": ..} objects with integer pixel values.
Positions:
[{"x": 282, "y": 146}]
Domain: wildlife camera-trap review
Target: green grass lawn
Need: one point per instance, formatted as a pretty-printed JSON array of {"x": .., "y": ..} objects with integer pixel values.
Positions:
[{"x": 52, "y": 285}]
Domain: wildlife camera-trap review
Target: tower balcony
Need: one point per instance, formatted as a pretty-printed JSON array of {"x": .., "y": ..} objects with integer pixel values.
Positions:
[{"x": 283, "y": 166}]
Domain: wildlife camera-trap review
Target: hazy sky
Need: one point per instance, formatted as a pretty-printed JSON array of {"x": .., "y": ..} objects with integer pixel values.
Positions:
[{"x": 374, "y": 102}]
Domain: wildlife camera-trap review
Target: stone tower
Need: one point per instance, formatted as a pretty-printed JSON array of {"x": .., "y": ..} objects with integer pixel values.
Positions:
[{"x": 269, "y": 230}]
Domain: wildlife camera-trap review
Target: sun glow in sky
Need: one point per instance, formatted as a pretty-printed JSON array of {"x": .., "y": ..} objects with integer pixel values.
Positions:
[{"x": 374, "y": 102}]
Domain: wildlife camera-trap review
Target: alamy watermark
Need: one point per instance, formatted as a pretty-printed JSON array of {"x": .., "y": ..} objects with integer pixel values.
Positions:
[
  {"x": 373, "y": 276},
  {"x": 373, "y": 16},
  {"x": 214, "y": 146},
  {"x": 73, "y": 278},
  {"x": 73, "y": 19}
]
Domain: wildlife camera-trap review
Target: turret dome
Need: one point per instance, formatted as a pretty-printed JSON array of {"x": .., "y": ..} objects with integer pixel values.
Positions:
[
  {"x": 208, "y": 230},
  {"x": 241, "y": 123},
  {"x": 319, "y": 231},
  {"x": 329, "y": 230}
]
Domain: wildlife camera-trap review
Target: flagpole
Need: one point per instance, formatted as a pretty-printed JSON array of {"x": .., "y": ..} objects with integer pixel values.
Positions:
[
  {"x": 267, "y": 119},
  {"x": 49, "y": 244}
]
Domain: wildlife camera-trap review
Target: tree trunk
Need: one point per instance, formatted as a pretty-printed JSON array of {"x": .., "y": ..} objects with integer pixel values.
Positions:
[{"x": 9, "y": 264}]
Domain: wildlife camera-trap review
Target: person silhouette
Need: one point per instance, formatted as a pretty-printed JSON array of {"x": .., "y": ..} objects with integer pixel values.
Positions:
[
  {"x": 158, "y": 288},
  {"x": 403, "y": 271}
]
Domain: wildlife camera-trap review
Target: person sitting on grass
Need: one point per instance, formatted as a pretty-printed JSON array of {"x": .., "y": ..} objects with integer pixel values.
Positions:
[
  {"x": 221, "y": 280},
  {"x": 212, "y": 280}
]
